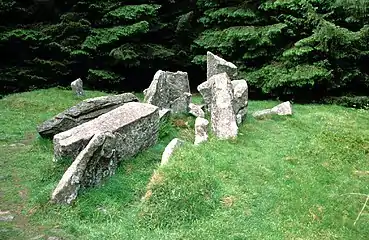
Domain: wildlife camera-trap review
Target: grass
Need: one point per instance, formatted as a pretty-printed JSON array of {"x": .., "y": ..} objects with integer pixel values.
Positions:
[{"x": 282, "y": 178}]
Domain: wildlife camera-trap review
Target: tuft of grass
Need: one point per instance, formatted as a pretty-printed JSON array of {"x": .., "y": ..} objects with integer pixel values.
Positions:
[{"x": 282, "y": 178}]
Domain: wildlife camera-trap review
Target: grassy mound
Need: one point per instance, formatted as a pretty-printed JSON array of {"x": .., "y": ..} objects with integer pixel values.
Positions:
[{"x": 296, "y": 177}]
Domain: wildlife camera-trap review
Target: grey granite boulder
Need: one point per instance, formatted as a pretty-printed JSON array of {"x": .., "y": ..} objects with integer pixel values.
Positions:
[
  {"x": 169, "y": 149},
  {"x": 97, "y": 161},
  {"x": 216, "y": 65},
  {"x": 240, "y": 103},
  {"x": 169, "y": 90},
  {"x": 134, "y": 124},
  {"x": 201, "y": 130},
  {"x": 196, "y": 110},
  {"x": 284, "y": 108},
  {"x": 83, "y": 112},
  {"x": 77, "y": 87},
  {"x": 223, "y": 117},
  {"x": 205, "y": 91}
]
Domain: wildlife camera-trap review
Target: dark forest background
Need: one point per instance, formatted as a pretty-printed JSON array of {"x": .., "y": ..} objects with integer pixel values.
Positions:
[{"x": 293, "y": 49}]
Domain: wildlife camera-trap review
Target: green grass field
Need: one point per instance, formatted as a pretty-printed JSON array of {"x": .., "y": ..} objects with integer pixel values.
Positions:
[{"x": 299, "y": 177}]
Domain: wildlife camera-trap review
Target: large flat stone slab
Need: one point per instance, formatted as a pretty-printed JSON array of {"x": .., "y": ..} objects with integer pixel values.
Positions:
[
  {"x": 135, "y": 125},
  {"x": 83, "y": 112}
]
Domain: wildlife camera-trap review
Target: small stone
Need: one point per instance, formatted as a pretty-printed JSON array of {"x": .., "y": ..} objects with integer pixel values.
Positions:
[
  {"x": 284, "y": 108},
  {"x": 169, "y": 149},
  {"x": 77, "y": 87},
  {"x": 196, "y": 110},
  {"x": 6, "y": 216},
  {"x": 201, "y": 129},
  {"x": 53, "y": 238}
]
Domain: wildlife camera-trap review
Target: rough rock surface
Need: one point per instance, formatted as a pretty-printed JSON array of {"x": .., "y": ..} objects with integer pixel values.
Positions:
[
  {"x": 134, "y": 124},
  {"x": 284, "y": 108},
  {"x": 240, "y": 103},
  {"x": 83, "y": 112},
  {"x": 201, "y": 130},
  {"x": 205, "y": 91},
  {"x": 77, "y": 87},
  {"x": 216, "y": 65},
  {"x": 169, "y": 149},
  {"x": 223, "y": 117},
  {"x": 169, "y": 90},
  {"x": 97, "y": 161},
  {"x": 164, "y": 114},
  {"x": 196, "y": 110}
]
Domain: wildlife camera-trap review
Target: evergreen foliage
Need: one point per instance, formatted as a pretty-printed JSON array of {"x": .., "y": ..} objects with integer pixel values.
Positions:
[{"x": 299, "y": 49}]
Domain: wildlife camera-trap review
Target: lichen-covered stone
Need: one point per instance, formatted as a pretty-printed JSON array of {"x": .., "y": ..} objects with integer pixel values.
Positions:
[
  {"x": 216, "y": 65},
  {"x": 98, "y": 160},
  {"x": 240, "y": 103},
  {"x": 135, "y": 125},
  {"x": 201, "y": 130},
  {"x": 196, "y": 110},
  {"x": 83, "y": 112},
  {"x": 77, "y": 87},
  {"x": 169, "y": 90},
  {"x": 284, "y": 108},
  {"x": 223, "y": 117}
]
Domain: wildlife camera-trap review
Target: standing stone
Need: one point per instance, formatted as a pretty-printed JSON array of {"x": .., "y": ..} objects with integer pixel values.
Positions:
[
  {"x": 169, "y": 149},
  {"x": 169, "y": 90},
  {"x": 284, "y": 108},
  {"x": 201, "y": 130},
  {"x": 77, "y": 87},
  {"x": 223, "y": 118},
  {"x": 196, "y": 110},
  {"x": 83, "y": 112},
  {"x": 98, "y": 160},
  {"x": 134, "y": 124},
  {"x": 240, "y": 103},
  {"x": 216, "y": 65}
]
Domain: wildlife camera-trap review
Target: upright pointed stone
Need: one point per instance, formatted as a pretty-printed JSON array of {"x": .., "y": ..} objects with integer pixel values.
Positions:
[
  {"x": 77, "y": 87},
  {"x": 223, "y": 118},
  {"x": 216, "y": 65}
]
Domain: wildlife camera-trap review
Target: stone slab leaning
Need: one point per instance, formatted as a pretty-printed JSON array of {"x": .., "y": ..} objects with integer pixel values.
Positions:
[
  {"x": 83, "y": 112},
  {"x": 135, "y": 125},
  {"x": 97, "y": 161}
]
